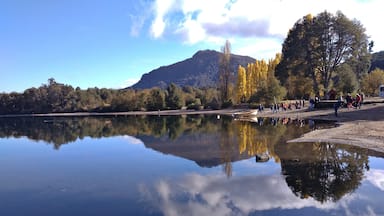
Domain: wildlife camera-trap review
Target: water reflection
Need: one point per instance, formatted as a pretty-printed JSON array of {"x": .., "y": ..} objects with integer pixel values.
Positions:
[
  {"x": 197, "y": 194},
  {"x": 224, "y": 141},
  {"x": 63, "y": 130},
  {"x": 325, "y": 172},
  {"x": 319, "y": 175},
  {"x": 313, "y": 175}
]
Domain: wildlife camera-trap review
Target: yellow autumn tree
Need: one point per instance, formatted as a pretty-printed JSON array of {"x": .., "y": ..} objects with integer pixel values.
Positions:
[
  {"x": 255, "y": 77},
  {"x": 371, "y": 82},
  {"x": 241, "y": 85}
]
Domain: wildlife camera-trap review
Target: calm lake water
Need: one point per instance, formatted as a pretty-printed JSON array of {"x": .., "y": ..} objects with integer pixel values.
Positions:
[{"x": 195, "y": 165}]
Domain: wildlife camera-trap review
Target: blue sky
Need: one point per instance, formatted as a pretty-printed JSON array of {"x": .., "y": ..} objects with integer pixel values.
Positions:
[{"x": 111, "y": 43}]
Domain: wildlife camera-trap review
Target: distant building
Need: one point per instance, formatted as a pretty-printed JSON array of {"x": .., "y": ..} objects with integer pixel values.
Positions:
[{"x": 381, "y": 91}]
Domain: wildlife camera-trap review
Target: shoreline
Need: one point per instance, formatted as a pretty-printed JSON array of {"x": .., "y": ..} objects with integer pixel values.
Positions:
[
  {"x": 304, "y": 113},
  {"x": 130, "y": 113},
  {"x": 359, "y": 127}
]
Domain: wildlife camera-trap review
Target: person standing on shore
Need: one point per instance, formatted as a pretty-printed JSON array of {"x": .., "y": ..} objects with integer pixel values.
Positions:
[
  {"x": 358, "y": 101},
  {"x": 337, "y": 105},
  {"x": 362, "y": 96},
  {"x": 349, "y": 100}
]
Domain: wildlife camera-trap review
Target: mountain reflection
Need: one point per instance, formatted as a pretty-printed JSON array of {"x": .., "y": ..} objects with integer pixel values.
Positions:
[
  {"x": 324, "y": 172},
  {"x": 204, "y": 139}
]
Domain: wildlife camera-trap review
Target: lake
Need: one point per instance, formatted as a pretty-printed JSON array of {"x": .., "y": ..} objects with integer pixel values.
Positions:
[{"x": 181, "y": 165}]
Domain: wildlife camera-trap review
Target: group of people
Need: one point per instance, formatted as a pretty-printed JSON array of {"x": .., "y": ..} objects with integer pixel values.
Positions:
[
  {"x": 349, "y": 101},
  {"x": 284, "y": 106},
  {"x": 354, "y": 102}
]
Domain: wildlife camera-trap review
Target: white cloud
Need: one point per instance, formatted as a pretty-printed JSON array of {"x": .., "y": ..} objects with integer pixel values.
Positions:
[
  {"x": 140, "y": 13},
  {"x": 198, "y": 21},
  {"x": 192, "y": 31},
  {"x": 162, "y": 7},
  {"x": 158, "y": 27},
  {"x": 376, "y": 177},
  {"x": 262, "y": 48}
]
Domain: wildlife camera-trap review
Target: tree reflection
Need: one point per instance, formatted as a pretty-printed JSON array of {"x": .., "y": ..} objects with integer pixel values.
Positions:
[
  {"x": 261, "y": 139},
  {"x": 256, "y": 139},
  {"x": 325, "y": 172},
  {"x": 62, "y": 130},
  {"x": 224, "y": 139},
  {"x": 227, "y": 145},
  {"x": 322, "y": 171}
]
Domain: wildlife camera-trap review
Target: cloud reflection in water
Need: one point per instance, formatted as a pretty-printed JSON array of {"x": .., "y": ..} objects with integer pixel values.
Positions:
[{"x": 196, "y": 194}]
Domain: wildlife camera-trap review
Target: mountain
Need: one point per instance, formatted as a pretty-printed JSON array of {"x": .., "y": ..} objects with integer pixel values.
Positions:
[
  {"x": 199, "y": 71},
  {"x": 377, "y": 60}
]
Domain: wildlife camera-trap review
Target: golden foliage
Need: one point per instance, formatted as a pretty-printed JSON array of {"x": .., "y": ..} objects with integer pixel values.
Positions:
[
  {"x": 254, "y": 142},
  {"x": 371, "y": 82},
  {"x": 249, "y": 79}
]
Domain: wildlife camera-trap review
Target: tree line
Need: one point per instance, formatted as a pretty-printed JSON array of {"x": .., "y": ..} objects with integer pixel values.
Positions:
[{"x": 56, "y": 97}]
